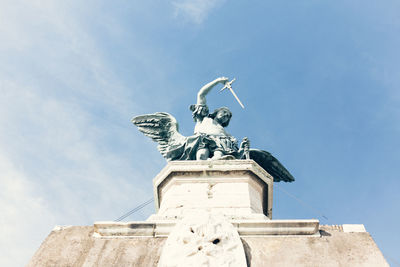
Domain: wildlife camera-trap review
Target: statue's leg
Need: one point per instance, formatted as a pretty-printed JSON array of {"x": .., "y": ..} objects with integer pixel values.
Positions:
[
  {"x": 218, "y": 154},
  {"x": 202, "y": 154}
]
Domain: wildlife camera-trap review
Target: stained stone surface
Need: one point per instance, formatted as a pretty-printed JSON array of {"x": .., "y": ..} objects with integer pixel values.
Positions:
[
  {"x": 203, "y": 239},
  {"x": 334, "y": 248},
  {"x": 76, "y": 246}
]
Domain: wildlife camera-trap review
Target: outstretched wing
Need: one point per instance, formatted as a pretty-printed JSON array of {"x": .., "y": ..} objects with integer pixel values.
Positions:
[
  {"x": 271, "y": 165},
  {"x": 162, "y": 128}
]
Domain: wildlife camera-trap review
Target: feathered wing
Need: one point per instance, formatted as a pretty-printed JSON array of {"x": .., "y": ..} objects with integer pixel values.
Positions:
[
  {"x": 162, "y": 128},
  {"x": 271, "y": 165}
]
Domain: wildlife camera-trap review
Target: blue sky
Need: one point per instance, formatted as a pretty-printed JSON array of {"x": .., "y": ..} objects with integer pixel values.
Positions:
[{"x": 320, "y": 81}]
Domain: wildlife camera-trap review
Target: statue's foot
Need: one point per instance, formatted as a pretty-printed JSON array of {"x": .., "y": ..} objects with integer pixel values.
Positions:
[{"x": 227, "y": 157}]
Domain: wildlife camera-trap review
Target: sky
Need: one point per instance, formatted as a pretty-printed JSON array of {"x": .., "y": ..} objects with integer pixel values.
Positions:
[{"x": 320, "y": 81}]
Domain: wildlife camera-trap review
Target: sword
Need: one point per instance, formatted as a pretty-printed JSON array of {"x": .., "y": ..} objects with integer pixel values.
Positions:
[{"x": 228, "y": 85}]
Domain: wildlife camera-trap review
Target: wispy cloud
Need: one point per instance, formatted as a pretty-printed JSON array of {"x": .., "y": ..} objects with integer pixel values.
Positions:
[
  {"x": 25, "y": 216},
  {"x": 54, "y": 169},
  {"x": 58, "y": 164},
  {"x": 196, "y": 10}
]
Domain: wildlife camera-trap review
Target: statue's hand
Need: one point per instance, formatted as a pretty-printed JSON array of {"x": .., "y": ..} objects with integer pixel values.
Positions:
[{"x": 222, "y": 80}]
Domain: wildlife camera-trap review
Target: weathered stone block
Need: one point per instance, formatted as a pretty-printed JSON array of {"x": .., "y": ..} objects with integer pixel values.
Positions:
[{"x": 234, "y": 187}]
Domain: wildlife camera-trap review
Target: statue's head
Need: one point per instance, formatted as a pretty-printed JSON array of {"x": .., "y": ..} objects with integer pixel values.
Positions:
[{"x": 222, "y": 115}]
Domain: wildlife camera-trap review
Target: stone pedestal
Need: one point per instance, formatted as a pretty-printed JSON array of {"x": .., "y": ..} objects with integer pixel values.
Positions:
[{"x": 237, "y": 189}]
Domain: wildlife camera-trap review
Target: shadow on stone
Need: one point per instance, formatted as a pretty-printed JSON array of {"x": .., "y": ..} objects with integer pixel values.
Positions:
[
  {"x": 324, "y": 233},
  {"x": 247, "y": 252},
  {"x": 141, "y": 225}
]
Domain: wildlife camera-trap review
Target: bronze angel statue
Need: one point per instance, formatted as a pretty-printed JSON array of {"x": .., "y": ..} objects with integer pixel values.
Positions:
[{"x": 210, "y": 140}]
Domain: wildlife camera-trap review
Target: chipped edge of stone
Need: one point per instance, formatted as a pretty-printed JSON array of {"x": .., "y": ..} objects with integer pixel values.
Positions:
[
  {"x": 354, "y": 228},
  {"x": 60, "y": 227}
]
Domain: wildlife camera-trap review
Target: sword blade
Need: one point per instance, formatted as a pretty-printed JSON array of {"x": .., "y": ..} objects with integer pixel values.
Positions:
[{"x": 237, "y": 98}]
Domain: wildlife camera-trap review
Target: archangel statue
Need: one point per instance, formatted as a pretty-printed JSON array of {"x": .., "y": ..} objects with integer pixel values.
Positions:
[{"x": 210, "y": 140}]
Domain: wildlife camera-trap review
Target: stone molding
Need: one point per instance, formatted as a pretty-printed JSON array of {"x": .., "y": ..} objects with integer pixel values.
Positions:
[{"x": 244, "y": 227}]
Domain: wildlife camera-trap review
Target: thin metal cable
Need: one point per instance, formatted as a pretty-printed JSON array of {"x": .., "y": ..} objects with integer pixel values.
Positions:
[
  {"x": 280, "y": 188},
  {"x": 302, "y": 202},
  {"x": 144, "y": 204}
]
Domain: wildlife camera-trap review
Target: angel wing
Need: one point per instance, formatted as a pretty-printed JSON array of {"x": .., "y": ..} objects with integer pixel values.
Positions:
[
  {"x": 163, "y": 129},
  {"x": 271, "y": 165}
]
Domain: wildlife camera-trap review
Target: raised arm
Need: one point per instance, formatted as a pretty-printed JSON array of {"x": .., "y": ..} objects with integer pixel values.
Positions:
[{"x": 201, "y": 96}]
